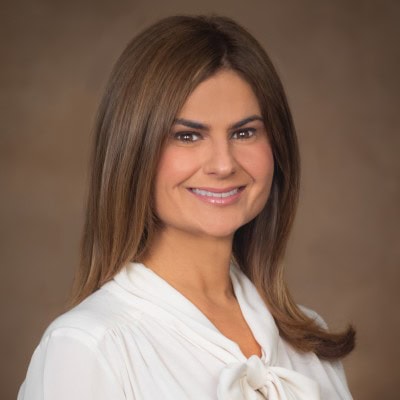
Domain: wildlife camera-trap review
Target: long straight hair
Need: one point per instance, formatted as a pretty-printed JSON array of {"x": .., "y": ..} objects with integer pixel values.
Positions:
[{"x": 148, "y": 86}]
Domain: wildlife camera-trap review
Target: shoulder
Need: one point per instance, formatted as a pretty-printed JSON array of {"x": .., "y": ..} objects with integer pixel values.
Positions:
[
  {"x": 95, "y": 317},
  {"x": 77, "y": 356},
  {"x": 330, "y": 373},
  {"x": 314, "y": 316}
]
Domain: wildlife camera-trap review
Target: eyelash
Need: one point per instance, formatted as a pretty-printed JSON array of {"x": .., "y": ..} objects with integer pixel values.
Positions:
[
  {"x": 250, "y": 131},
  {"x": 179, "y": 136}
]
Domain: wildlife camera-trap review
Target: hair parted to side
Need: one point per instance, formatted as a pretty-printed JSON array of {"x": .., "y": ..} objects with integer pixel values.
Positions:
[{"x": 148, "y": 86}]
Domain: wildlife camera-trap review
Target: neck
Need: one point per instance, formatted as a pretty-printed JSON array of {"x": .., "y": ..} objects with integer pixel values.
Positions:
[{"x": 195, "y": 265}]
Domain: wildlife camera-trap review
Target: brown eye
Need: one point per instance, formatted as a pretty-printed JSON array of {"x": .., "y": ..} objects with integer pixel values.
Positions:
[
  {"x": 244, "y": 134},
  {"x": 187, "y": 137}
]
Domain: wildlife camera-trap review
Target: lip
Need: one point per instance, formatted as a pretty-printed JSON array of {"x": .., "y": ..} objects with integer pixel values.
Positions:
[
  {"x": 218, "y": 190},
  {"x": 220, "y": 201}
]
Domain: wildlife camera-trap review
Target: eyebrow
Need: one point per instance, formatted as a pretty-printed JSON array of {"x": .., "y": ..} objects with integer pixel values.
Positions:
[{"x": 199, "y": 125}]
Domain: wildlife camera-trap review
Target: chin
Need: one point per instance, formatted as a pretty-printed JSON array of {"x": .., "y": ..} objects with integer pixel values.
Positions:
[{"x": 218, "y": 232}]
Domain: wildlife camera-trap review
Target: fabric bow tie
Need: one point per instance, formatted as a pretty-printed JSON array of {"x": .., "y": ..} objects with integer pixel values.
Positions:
[{"x": 254, "y": 380}]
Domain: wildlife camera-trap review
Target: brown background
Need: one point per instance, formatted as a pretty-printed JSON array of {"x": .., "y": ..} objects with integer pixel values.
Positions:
[{"x": 339, "y": 61}]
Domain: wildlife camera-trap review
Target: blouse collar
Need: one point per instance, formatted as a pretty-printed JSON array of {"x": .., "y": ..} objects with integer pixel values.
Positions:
[
  {"x": 151, "y": 288},
  {"x": 241, "y": 378}
]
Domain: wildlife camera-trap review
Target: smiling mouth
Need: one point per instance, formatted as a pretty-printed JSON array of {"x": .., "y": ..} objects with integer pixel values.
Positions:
[{"x": 215, "y": 194}]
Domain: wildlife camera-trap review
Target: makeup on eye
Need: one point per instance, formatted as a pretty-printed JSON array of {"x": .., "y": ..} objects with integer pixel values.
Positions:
[
  {"x": 187, "y": 137},
  {"x": 244, "y": 134},
  {"x": 191, "y": 137}
]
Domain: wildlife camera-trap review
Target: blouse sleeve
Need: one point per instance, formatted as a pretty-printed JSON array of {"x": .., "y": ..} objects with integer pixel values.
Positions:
[
  {"x": 337, "y": 365},
  {"x": 68, "y": 364}
]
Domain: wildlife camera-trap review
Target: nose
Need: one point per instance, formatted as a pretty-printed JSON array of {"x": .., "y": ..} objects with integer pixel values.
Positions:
[{"x": 219, "y": 159}]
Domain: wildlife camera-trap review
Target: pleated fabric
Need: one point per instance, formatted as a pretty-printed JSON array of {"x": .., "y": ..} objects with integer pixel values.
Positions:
[{"x": 138, "y": 338}]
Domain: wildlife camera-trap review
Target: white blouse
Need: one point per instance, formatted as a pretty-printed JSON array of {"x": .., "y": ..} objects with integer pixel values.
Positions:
[{"x": 138, "y": 338}]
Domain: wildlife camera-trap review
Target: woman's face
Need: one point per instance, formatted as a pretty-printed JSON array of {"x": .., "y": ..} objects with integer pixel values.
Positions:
[{"x": 216, "y": 169}]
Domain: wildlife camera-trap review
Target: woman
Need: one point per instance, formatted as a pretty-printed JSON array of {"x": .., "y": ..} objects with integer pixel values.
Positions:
[{"x": 195, "y": 178}]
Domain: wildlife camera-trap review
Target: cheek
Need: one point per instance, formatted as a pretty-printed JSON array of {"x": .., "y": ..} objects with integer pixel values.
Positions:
[
  {"x": 175, "y": 166},
  {"x": 261, "y": 168},
  {"x": 258, "y": 162}
]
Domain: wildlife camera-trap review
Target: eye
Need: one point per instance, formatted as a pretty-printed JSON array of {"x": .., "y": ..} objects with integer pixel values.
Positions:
[
  {"x": 187, "y": 137},
  {"x": 244, "y": 134}
]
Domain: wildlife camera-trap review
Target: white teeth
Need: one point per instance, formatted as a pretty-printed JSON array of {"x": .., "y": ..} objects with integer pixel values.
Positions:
[{"x": 213, "y": 194}]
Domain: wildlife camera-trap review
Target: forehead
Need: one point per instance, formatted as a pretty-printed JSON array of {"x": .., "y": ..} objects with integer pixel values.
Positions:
[{"x": 223, "y": 96}]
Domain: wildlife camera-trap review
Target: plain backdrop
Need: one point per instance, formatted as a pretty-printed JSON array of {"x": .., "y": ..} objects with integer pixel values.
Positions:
[{"x": 339, "y": 62}]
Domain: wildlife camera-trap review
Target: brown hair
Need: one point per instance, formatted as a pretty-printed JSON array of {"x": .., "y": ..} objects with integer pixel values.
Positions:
[{"x": 148, "y": 86}]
